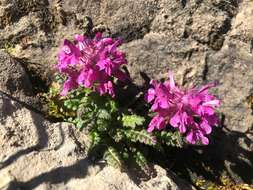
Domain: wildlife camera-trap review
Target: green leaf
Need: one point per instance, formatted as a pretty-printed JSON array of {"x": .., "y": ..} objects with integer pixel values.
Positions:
[
  {"x": 171, "y": 138},
  {"x": 112, "y": 105},
  {"x": 103, "y": 114},
  {"x": 140, "y": 136},
  {"x": 72, "y": 104},
  {"x": 132, "y": 120},
  {"x": 87, "y": 91},
  {"x": 80, "y": 123},
  {"x": 117, "y": 135},
  {"x": 112, "y": 157},
  {"x": 85, "y": 100},
  {"x": 102, "y": 125},
  {"x": 95, "y": 139},
  {"x": 125, "y": 154},
  {"x": 141, "y": 161}
]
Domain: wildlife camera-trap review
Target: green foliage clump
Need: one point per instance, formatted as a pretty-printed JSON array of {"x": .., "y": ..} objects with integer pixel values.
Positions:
[{"x": 117, "y": 134}]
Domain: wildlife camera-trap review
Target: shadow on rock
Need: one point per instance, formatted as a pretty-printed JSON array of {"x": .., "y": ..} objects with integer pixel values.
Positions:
[
  {"x": 55, "y": 176},
  {"x": 9, "y": 106},
  {"x": 7, "y": 109},
  {"x": 227, "y": 154}
]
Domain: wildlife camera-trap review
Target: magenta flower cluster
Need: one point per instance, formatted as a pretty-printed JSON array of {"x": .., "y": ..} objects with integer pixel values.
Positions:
[
  {"x": 92, "y": 63},
  {"x": 96, "y": 62},
  {"x": 190, "y": 111}
]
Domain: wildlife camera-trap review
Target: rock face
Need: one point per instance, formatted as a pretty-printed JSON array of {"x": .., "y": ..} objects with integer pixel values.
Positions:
[
  {"x": 15, "y": 81},
  {"x": 33, "y": 147},
  {"x": 200, "y": 41},
  {"x": 36, "y": 154}
]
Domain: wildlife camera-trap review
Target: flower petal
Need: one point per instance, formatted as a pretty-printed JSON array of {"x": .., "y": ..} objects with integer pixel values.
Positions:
[
  {"x": 204, "y": 140},
  {"x": 172, "y": 82},
  {"x": 212, "y": 103},
  {"x": 175, "y": 120},
  {"x": 206, "y": 127},
  {"x": 191, "y": 138},
  {"x": 150, "y": 95}
]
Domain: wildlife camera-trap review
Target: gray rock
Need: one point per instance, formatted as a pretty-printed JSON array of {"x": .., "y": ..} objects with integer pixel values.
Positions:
[
  {"x": 200, "y": 41},
  {"x": 37, "y": 154},
  {"x": 173, "y": 32},
  {"x": 6, "y": 179},
  {"x": 35, "y": 151},
  {"x": 165, "y": 180},
  {"x": 18, "y": 83},
  {"x": 13, "y": 78},
  {"x": 232, "y": 67},
  {"x": 15, "y": 81}
]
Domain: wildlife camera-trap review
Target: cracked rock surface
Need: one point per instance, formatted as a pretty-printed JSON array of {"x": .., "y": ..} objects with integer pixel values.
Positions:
[
  {"x": 37, "y": 154},
  {"x": 199, "y": 40}
]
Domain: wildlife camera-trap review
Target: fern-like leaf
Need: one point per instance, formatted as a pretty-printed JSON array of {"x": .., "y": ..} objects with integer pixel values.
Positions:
[
  {"x": 112, "y": 157},
  {"x": 117, "y": 135},
  {"x": 141, "y": 161},
  {"x": 102, "y": 125},
  {"x": 72, "y": 104},
  {"x": 112, "y": 106},
  {"x": 132, "y": 120},
  {"x": 171, "y": 138},
  {"x": 80, "y": 124},
  {"x": 103, "y": 114},
  {"x": 140, "y": 136},
  {"x": 95, "y": 139}
]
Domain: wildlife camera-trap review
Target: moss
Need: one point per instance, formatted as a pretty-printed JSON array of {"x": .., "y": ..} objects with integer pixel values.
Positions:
[
  {"x": 9, "y": 48},
  {"x": 226, "y": 183}
]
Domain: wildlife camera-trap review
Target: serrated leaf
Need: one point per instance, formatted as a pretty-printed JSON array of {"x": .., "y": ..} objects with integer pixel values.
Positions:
[
  {"x": 172, "y": 138},
  {"x": 95, "y": 139},
  {"x": 125, "y": 154},
  {"x": 132, "y": 120},
  {"x": 112, "y": 106},
  {"x": 140, "y": 136},
  {"x": 72, "y": 103},
  {"x": 87, "y": 91},
  {"x": 141, "y": 161},
  {"x": 81, "y": 124},
  {"x": 102, "y": 125},
  {"x": 118, "y": 135},
  {"x": 103, "y": 114},
  {"x": 112, "y": 157},
  {"x": 85, "y": 100}
]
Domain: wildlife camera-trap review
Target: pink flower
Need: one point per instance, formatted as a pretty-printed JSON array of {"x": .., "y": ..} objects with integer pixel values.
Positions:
[
  {"x": 68, "y": 85},
  {"x": 68, "y": 56},
  {"x": 104, "y": 88},
  {"x": 92, "y": 63},
  {"x": 191, "y": 111},
  {"x": 157, "y": 122}
]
